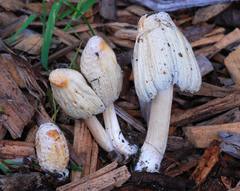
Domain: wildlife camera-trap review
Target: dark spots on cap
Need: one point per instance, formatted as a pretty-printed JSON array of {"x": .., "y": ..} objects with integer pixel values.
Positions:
[
  {"x": 97, "y": 54},
  {"x": 139, "y": 39},
  {"x": 162, "y": 49},
  {"x": 180, "y": 54},
  {"x": 123, "y": 141},
  {"x": 164, "y": 72},
  {"x": 168, "y": 44},
  {"x": 136, "y": 59},
  {"x": 156, "y": 166},
  {"x": 163, "y": 29}
]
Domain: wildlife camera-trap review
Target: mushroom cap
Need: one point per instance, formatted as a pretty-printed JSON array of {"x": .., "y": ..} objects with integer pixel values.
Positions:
[
  {"x": 162, "y": 55},
  {"x": 99, "y": 66},
  {"x": 52, "y": 149},
  {"x": 74, "y": 95}
]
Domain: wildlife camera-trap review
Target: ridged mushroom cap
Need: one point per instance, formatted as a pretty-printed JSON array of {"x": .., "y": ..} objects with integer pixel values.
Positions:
[
  {"x": 74, "y": 95},
  {"x": 162, "y": 55},
  {"x": 52, "y": 149},
  {"x": 99, "y": 66}
]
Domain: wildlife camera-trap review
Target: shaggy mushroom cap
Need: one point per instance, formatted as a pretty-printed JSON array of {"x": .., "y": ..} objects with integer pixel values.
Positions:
[
  {"x": 74, "y": 95},
  {"x": 52, "y": 149},
  {"x": 162, "y": 56},
  {"x": 99, "y": 66}
]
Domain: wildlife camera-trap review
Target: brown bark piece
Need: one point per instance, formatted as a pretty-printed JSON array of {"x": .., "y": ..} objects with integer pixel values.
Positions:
[
  {"x": 11, "y": 5},
  {"x": 83, "y": 144},
  {"x": 183, "y": 168},
  {"x": 228, "y": 39},
  {"x": 207, "y": 40},
  {"x": 209, "y": 159},
  {"x": 232, "y": 62},
  {"x": 7, "y": 17},
  {"x": 15, "y": 149},
  {"x": 228, "y": 117},
  {"x": 18, "y": 111},
  {"x": 108, "y": 9},
  {"x": 36, "y": 7},
  {"x": 126, "y": 16},
  {"x": 31, "y": 44},
  {"x": 204, "y": 14},
  {"x": 215, "y": 32},
  {"x": 131, "y": 120},
  {"x": 31, "y": 136},
  {"x": 206, "y": 110},
  {"x": 204, "y": 64},
  {"x": 6, "y": 60},
  {"x": 3, "y": 131},
  {"x": 197, "y": 32},
  {"x": 176, "y": 143},
  {"x": 201, "y": 136},
  {"x": 209, "y": 90},
  {"x": 128, "y": 44},
  {"x": 13, "y": 26},
  {"x": 138, "y": 10},
  {"x": 129, "y": 34},
  {"x": 24, "y": 182},
  {"x": 112, "y": 179}
]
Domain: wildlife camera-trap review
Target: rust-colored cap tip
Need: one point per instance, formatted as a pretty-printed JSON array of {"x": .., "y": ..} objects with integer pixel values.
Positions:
[{"x": 59, "y": 78}]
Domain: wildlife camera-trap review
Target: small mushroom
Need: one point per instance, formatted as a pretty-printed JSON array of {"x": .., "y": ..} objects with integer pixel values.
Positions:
[
  {"x": 52, "y": 150},
  {"x": 162, "y": 57},
  {"x": 99, "y": 66},
  {"x": 79, "y": 101}
]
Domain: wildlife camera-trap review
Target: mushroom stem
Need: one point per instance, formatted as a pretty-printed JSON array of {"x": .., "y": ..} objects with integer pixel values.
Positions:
[
  {"x": 155, "y": 143},
  {"x": 99, "y": 133},
  {"x": 114, "y": 133}
]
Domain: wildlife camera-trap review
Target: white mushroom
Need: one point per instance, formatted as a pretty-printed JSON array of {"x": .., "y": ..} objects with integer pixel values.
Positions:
[
  {"x": 162, "y": 57},
  {"x": 52, "y": 150},
  {"x": 78, "y": 100},
  {"x": 100, "y": 68}
]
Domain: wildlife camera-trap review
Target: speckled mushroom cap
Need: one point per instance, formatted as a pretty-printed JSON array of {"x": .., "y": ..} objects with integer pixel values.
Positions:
[
  {"x": 74, "y": 95},
  {"x": 162, "y": 56},
  {"x": 52, "y": 149},
  {"x": 99, "y": 66}
]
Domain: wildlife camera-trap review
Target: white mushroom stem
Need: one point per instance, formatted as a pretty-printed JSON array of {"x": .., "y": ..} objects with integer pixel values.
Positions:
[
  {"x": 99, "y": 133},
  {"x": 153, "y": 149},
  {"x": 115, "y": 134}
]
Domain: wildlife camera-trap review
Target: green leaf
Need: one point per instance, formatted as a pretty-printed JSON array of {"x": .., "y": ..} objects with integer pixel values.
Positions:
[
  {"x": 72, "y": 7},
  {"x": 25, "y": 25},
  {"x": 48, "y": 33},
  {"x": 75, "y": 56},
  {"x": 74, "y": 167}
]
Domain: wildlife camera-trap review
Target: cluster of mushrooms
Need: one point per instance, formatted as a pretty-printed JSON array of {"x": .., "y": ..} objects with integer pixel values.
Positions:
[{"x": 162, "y": 57}]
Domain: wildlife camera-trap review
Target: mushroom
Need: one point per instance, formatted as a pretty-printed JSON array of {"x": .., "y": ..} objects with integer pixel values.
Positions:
[
  {"x": 52, "y": 150},
  {"x": 78, "y": 100},
  {"x": 162, "y": 57},
  {"x": 99, "y": 66}
]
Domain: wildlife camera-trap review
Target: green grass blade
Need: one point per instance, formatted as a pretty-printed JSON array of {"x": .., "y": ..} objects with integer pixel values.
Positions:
[
  {"x": 75, "y": 56},
  {"x": 74, "y": 167},
  {"x": 25, "y": 25},
  {"x": 44, "y": 17},
  {"x": 13, "y": 163},
  {"x": 48, "y": 33},
  {"x": 87, "y": 5},
  {"x": 4, "y": 168},
  {"x": 72, "y": 7},
  {"x": 64, "y": 14}
]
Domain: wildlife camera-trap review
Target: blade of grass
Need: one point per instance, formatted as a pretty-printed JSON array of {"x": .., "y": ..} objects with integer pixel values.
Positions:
[
  {"x": 75, "y": 14},
  {"x": 74, "y": 167},
  {"x": 44, "y": 17},
  {"x": 72, "y": 7},
  {"x": 75, "y": 56},
  {"x": 48, "y": 33},
  {"x": 4, "y": 168},
  {"x": 25, "y": 25},
  {"x": 64, "y": 14}
]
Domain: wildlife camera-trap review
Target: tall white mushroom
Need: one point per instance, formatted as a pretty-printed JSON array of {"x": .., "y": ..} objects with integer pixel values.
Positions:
[
  {"x": 79, "y": 101},
  {"x": 99, "y": 66},
  {"x": 162, "y": 57}
]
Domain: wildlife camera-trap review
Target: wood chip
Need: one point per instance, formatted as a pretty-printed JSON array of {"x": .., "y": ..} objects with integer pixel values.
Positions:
[
  {"x": 31, "y": 136},
  {"x": 138, "y": 10},
  {"x": 204, "y": 14},
  {"x": 209, "y": 159},
  {"x": 15, "y": 149},
  {"x": 108, "y": 9},
  {"x": 206, "y": 110},
  {"x": 232, "y": 62},
  {"x": 17, "y": 110},
  {"x": 11, "y": 5},
  {"x": 207, "y": 40},
  {"x": 128, "y": 44},
  {"x": 201, "y": 136}
]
